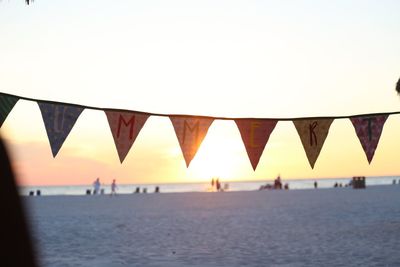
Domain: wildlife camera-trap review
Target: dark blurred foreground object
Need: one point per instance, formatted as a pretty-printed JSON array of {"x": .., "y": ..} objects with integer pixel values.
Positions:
[
  {"x": 398, "y": 86},
  {"x": 358, "y": 182},
  {"x": 28, "y": 2},
  {"x": 16, "y": 245}
]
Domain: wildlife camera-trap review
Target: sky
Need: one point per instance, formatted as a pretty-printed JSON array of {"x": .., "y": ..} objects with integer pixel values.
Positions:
[{"x": 259, "y": 59}]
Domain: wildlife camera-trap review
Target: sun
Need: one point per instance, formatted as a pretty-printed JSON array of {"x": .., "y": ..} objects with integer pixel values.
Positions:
[{"x": 221, "y": 155}]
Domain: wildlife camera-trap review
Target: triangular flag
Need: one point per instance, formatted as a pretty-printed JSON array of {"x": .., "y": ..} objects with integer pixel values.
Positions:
[
  {"x": 255, "y": 134},
  {"x": 58, "y": 120},
  {"x": 190, "y": 132},
  {"x": 6, "y": 105},
  {"x": 125, "y": 127},
  {"x": 369, "y": 130},
  {"x": 313, "y": 134}
]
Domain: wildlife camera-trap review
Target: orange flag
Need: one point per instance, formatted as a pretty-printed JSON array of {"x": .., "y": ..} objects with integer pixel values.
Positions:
[
  {"x": 190, "y": 132},
  {"x": 125, "y": 127},
  {"x": 255, "y": 134},
  {"x": 313, "y": 134}
]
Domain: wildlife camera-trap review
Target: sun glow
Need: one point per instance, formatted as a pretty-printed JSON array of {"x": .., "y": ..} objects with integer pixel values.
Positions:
[
  {"x": 220, "y": 155},
  {"x": 267, "y": 59}
]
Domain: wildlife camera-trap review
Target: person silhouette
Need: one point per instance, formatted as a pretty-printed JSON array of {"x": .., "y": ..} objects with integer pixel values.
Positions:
[
  {"x": 114, "y": 187},
  {"x": 96, "y": 186},
  {"x": 278, "y": 183},
  {"x": 218, "y": 185}
]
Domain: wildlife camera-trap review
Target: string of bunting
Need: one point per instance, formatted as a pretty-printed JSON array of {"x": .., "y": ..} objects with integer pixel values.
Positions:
[{"x": 59, "y": 118}]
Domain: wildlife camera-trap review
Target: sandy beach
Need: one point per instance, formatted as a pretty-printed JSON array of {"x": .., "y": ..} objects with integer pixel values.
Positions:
[{"x": 332, "y": 227}]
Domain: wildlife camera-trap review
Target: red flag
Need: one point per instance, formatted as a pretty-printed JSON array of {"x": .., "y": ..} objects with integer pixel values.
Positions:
[
  {"x": 125, "y": 127},
  {"x": 369, "y": 130},
  {"x": 190, "y": 132},
  {"x": 255, "y": 134}
]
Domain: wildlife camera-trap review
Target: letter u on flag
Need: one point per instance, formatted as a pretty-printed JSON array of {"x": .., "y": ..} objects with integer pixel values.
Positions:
[
  {"x": 313, "y": 134},
  {"x": 369, "y": 130},
  {"x": 190, "y": 132},
  {"x": 125, "y": 127},
  {"x": 6, "y": 105},
  {"x": 59, "y": 120},
  {"x": 255, "y": 134}
]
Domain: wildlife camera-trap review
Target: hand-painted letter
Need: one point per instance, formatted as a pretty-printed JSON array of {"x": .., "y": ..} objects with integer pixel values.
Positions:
[
  {"x": 131, "y": 122},
  {"x": 191, "y": 129},
  {"x": 313, "y": 136}
]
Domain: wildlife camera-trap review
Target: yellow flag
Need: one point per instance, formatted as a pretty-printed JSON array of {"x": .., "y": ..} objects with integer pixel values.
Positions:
[{"x": 313, "y": 134}]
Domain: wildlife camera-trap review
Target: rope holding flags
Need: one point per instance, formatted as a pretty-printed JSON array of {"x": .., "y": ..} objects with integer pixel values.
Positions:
[{"x": 59, "y": 118}]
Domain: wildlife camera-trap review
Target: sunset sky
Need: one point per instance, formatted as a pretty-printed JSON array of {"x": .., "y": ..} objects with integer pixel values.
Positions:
[{"x": 260, "y": 59}]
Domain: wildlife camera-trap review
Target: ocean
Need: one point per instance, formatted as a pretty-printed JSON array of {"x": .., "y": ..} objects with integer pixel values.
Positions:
[{"x": 296, "y": 184}]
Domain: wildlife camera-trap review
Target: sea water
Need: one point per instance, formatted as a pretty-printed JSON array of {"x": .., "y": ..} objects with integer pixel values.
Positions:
[{"x": 203, "y": 187}]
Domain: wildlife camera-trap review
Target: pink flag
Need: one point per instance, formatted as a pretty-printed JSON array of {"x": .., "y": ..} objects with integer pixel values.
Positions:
[
  {"x": 313, "y": 134},
  {"x": 369, "y": 130},
  {"x": 255, "y": 134},
  {"x": 125, "y": 127},
  {"x": 190, "y": 132}
]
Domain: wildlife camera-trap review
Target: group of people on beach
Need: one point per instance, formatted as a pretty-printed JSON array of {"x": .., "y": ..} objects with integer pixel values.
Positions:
[
  {"x": 277, "y": 185},
  {"x": 97, "y": 187},
  {"x": 98, "y": 190},
  {"x": 217, "y": 186},
  {"x": 144, "y": 190}
]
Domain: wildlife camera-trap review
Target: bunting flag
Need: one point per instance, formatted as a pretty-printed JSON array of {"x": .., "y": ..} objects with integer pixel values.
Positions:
[
  {"x": 190, "y": 132},
  {"x": 369, "y": 130},
  {"x": 125, "y": 127},
  {"x": 58, "y": 120},
  {"x": 255, "y": 134},
  {"x": 313, "y": 134},
  {"x": 6, "y": 105}
]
